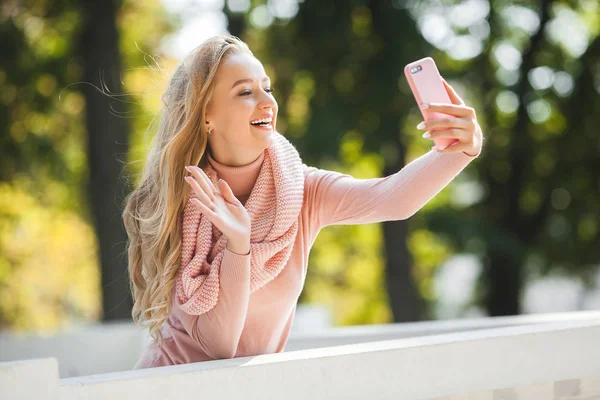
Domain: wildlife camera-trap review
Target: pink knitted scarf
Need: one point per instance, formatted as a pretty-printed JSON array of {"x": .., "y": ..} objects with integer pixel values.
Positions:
[{"x": 274, "y": 205}]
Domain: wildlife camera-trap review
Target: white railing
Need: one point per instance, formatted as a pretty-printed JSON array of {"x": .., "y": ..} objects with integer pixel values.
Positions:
[
  {"x": 112, "y": 347},
  {"x": 115, "y": 346},
  {"x": 555, "y": 358}
]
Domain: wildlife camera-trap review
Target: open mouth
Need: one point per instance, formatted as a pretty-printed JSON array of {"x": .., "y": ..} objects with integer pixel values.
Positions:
[{"x": 263, "y": 123}]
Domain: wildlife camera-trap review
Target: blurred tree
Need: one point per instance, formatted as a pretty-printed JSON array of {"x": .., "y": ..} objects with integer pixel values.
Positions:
[
  {"x": 109, "y": 129},
  {"x": 539, "y": 93},
  {"x": 337, "y": 71},
  {"x": 47, "y": 253},
  {"x": 33, "y": 65},
  {"x": 338, "y": 67},
  {"x": 236, "y": 20},
  {"x": 48, "y": 261},
  {"x": 108, "y": 137}
]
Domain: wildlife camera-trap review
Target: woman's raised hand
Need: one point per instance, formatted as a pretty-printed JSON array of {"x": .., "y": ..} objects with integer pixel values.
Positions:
[
  {"x": 463, "y": 126},
  {"x": 219, "y": 205}
]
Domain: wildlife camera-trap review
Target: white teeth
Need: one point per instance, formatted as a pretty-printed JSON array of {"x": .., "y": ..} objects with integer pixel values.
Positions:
[{"x": 262, "y": 120}]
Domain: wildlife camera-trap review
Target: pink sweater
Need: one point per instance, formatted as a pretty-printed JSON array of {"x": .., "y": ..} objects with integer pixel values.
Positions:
[{"x": 243, "y": 324}]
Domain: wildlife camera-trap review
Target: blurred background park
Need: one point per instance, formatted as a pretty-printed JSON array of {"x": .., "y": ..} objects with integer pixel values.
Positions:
[{"x": 516, "y": 232}]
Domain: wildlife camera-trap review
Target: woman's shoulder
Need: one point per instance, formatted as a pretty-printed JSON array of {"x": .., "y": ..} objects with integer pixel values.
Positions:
[
  {"x": 312, "y": 176},
  {"x": 318, "y": 177}
]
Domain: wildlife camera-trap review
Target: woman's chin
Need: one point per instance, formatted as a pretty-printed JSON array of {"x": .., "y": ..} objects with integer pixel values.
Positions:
[
  {"x": 261, "y": 133},
  {"x": 262, "y": 129}
]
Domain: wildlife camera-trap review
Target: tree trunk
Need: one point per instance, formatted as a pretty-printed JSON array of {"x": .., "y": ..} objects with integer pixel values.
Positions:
[
  {"x": 404, "y": 298},
  {"x": 236, "y": 24},
  {"x": 504, "y": 280},
  {"x": 107, "y": 144},
  {"x": 504, "y": 285}
]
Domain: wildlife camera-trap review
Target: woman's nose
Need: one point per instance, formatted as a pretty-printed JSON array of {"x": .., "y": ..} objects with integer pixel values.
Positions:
[{"x": 268, "y": 101}]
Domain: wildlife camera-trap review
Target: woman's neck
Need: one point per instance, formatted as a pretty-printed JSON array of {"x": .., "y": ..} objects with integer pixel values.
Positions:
[{"x": 240, "y": 179}]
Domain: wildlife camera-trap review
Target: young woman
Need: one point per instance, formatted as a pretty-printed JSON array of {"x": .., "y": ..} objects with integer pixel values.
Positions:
[{"x": 222, "y": 223}]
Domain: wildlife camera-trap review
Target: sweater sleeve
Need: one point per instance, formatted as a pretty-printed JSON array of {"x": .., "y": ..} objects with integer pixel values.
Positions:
[
  {"x": 340, "y": 199},
  {"x": 217, "y": 332}
]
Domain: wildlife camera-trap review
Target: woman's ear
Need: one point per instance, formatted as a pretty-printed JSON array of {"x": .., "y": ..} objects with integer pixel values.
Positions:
[{"x": 207, "y": 114}]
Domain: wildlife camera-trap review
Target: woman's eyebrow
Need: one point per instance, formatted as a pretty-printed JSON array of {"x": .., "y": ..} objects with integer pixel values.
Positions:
[{"x": 238, "y": 82}]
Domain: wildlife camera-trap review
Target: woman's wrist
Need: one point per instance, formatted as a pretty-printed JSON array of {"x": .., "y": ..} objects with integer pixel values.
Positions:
[{"x": 239, "y": 246}]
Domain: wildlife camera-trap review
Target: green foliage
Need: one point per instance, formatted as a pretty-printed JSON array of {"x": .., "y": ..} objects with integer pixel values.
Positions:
[
  {"x": 343, "y": 98},
  {"x": 48, "y": 271},
  {"x": 337, "y": 72},
  {"x": 142, "y": 26},
  {"x": 48, "y": 268},
  {"x": 345, "y": 271},
  {"x": 342, "y": 95},
  {"x": 49, "y": 274}
]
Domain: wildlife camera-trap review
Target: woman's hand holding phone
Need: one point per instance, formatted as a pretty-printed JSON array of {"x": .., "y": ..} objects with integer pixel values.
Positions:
[
  {"x": 447, "y": 120},
  {"x": 462, "y": 126}
]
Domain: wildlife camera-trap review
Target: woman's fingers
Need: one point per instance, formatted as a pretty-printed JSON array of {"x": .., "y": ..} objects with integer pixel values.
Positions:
[
  {"x": 209, "y": 183},
  {"x": 464, "y": 127},
  {"x": 451, "y": 109},
  {"x": 207, "y": 192},
  {"x": 200, "y": 193},
  {"x": 207, "y": 186},
  {"x": 204, "y": 209},
  {"x": 452, "y": 133},
  {"x": 227, "y": 193},
  {"x": 454, "y": 97},
  {"x": 444, "y": 123}
]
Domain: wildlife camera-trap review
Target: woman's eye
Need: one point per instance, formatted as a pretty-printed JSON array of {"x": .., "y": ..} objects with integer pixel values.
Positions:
[{"x": 247, "y": 92}]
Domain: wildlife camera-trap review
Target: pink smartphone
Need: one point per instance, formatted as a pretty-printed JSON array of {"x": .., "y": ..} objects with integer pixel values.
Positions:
[{"x": 426, "y": 84}]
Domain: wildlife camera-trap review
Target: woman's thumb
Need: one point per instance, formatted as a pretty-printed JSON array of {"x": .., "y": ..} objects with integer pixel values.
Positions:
[{"x": 227, "y": 193}]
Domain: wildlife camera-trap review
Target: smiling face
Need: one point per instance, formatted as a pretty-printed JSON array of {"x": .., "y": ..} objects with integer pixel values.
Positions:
[{"x": 241, "y": 95}]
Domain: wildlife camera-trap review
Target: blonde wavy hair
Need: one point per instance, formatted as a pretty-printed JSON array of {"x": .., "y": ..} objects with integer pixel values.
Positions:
[{"x": 153, "y": 211}]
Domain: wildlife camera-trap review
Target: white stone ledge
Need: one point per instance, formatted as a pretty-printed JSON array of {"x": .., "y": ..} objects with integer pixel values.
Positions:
[
  {"x": 430, "y": 367},
  {"x": 587, "y": 388},
  {"x": 29, "y": 379},
  {"x": 111, "y": 347},
  {"x": 80, "y": 350},
  {"x": 369, "y": 333}
]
